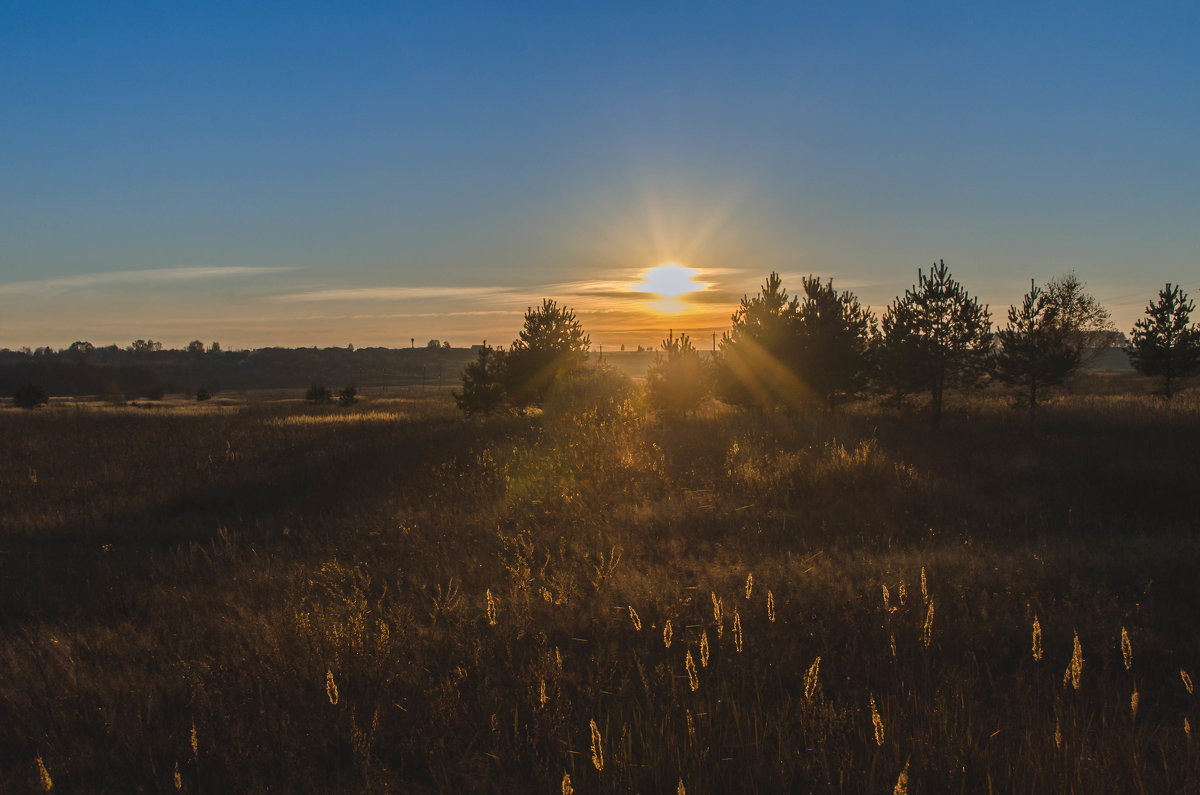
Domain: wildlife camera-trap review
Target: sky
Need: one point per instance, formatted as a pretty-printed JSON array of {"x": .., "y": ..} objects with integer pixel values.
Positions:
[{"x": 342, "y": 173}]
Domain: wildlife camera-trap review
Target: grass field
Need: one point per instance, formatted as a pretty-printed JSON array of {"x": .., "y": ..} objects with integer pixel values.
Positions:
[{"x": 266, "y": 595}]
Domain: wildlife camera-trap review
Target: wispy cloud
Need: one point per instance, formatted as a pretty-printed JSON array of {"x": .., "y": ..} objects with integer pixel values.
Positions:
[
  {"x": 86, "y": 281},
  {"x": 392, "y": 293}
]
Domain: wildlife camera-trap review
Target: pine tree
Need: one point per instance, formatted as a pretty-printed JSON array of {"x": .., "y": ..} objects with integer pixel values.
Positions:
[
  {"x": 1164, "y": 343},
  {"x": 551, "y": 342},
  {"x": 759, "y": 355},
  {"x": 834, "y": 341},
  {"x": 483, "y": 383},
  {"x": 1036, "y": 348},
  {"x": 678, "y": 381},
  {"x": 942, "y": 338}
]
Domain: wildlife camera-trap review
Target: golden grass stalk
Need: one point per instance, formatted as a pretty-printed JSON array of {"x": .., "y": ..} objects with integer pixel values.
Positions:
[
  {"x": 717, "y": 615},
  {"x": 542, "y": 697},
  {"x": 1126, "y": 649},
  {"x": 887, "y": 598},
  {"x": 1057, "y": 732},
  {"x": 633, "y": 616},
  {"x": 1075, "y": 669},
  {"x": 195, "y": 741},
  {"x": 44, "y": 775},
  {"x": 1133, "y": 703},
  {"x": 567, "y": 789},
  {"x": 901, "y": 787},
  {"x": 597, "y": 748},
  {"x": 667, "y": 633},
  {"x": 689, "y": 665},
  {"x": 737, "y": 631},
  {"x": 1187, "y": 729},
  {"x": 810, "y": 678},
  {"x": 770, "y": 607},
  {"x": 178, "y": 780},
  {"x": 1187, "y": 681},
  {"x": 749, "y": 584},
  {"x": 331, "y": 688},
  {"x": 1037, "y": 639},
  {"x": 491, "y": 608},
  {"x": 902, "y": 595},
  {"x": 680, "y": 790},
  {"x": 927, "y": 630},
  {"x": 877, "y": 722},
  {"x": 924, "y": 587},
  {"x": 892, "y": 641},
  {"x": 703, "y": 649},
  {"x": 691, "y": 724}
]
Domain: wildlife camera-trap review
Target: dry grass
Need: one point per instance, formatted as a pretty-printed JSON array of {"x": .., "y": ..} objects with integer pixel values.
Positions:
[{"x": 263, "y": 597}]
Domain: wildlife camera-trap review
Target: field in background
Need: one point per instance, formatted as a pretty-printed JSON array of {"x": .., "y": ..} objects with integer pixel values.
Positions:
[{"x": 271, "y": 595}]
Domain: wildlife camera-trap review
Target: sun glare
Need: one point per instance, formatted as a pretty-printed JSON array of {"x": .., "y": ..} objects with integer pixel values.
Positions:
[{"x": 670, "y": 281}]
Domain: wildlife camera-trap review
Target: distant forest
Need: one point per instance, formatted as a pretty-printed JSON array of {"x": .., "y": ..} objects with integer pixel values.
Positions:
[{"x": 147, "y": 371}]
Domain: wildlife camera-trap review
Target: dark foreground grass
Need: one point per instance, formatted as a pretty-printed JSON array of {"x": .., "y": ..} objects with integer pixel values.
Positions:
[{"x": 391, "y": 598}]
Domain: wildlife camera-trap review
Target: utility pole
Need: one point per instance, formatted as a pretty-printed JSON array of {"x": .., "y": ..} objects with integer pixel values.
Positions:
[{"x": 412, "y": 342}]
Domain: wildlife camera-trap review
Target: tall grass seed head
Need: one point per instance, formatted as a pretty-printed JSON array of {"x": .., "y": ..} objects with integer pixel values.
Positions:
[{"x": 597, "y": 747}]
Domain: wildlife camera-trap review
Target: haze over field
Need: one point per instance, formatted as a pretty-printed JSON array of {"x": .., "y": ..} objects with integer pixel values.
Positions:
[{"x": 311, "y": 174}]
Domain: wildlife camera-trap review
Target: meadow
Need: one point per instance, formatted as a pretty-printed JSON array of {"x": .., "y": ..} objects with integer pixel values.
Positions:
[{"x": 268, "y": 595}]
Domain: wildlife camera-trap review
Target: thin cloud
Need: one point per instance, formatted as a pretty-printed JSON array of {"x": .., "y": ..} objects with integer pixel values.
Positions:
[
  {"x": 158, "y": 275},
  {"x": 392, "y": 293}
]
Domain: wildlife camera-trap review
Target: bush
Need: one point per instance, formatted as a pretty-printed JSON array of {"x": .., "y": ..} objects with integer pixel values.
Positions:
[
  {"x": 318, "y": 393},
  {"x": 348, "y": 396},
  {"x": 600, "y": 390},
  {"x": 30, "y": 397},
  {"x": 203, "y": 394},
  {"x": 678, "y": 381}
]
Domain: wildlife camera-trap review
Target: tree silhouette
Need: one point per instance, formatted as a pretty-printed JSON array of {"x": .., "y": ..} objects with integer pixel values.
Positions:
[
  {"x": 1164, "y": 343},
  {"x": 678, "y": 381},
  {"x": 551, "y": 342},
  {"x": 483, "y": 383},
  {"x": 834, "y": 341},
  {"x": 1038, "y": 347},
  {"x": 318, "y": 393},
  {"x": 936, "y": 337},
  {"x": 1086, "y": 325},
  {"x": 29, "y": 396},
  {"x": 757, "y": 363}
]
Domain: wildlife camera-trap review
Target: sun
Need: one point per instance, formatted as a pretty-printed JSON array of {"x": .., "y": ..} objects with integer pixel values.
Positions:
[{"x": 670, "y": 281}]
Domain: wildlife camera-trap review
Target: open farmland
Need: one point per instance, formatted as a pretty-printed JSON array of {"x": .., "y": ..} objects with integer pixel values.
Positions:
[{"x": 387, "y": 597}]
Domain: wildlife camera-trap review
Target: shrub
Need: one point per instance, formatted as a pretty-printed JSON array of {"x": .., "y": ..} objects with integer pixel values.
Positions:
[
  {"x": 600, "y": 390},
  {"x": 203, "y": 394},
  {"x": 318, "y": 393},
  {"x": 678, "y": 381},
  {"x": 30, "y": 397},
  {"x": 348, "y": 396}
]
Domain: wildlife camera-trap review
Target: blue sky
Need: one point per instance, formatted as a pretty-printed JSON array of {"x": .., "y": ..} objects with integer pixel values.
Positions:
[{"x": 324, "y": 174}]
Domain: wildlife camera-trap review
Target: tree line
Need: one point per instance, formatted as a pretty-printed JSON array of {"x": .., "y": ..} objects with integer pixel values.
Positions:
[{"x": 823, "y": 347}]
